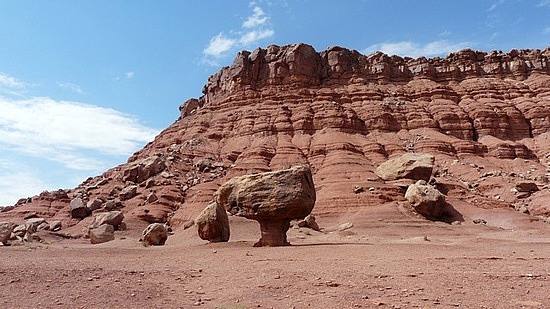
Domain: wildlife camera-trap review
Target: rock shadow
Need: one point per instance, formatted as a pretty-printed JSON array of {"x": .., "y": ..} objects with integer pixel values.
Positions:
[{"x": 450, "y": 214}]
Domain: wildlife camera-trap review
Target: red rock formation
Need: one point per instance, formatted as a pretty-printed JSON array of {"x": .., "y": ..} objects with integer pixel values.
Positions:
[{"x": 343, "y": 113}]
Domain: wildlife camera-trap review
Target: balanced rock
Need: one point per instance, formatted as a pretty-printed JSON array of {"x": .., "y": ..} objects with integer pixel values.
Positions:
[
  {"x": 78, "y": 208},
  {"x": 415, "y": 166},
  {"x": 273, "y": 199},
  {"x": 101, "y": 234},
  {"x": 213, "y": 224},
  {"x": 426, "y": 199},
  {"x": 5, "y": 231},
  {"x": 155, "y": 234}
]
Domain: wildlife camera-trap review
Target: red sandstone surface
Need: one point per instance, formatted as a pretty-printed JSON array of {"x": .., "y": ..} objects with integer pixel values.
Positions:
[{"x": 484, "y": 116}]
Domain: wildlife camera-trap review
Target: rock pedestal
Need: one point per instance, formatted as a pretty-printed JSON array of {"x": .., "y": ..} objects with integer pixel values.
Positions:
[
  {"x": 273, "y": 233},
  {"x": 273, "y": 199}
]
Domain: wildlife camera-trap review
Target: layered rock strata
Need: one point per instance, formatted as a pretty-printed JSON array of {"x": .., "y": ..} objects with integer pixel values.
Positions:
[{"x": 485, "y": 117}]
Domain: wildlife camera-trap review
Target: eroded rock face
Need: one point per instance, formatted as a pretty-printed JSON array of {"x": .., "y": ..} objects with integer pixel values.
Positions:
[
  {"x": 426, "y": 199},
  {"x": 213, "y": 224},
  {"x": 416, "y": 166},
  {"x": 273, "y": 199},
  {"x": 343, "y": 114}
]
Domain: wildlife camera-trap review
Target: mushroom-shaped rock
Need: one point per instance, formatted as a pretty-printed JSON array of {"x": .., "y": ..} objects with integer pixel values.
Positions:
[
  {"x": 417, "y": 166},
  {"x": 155, "y": 234},
  {"x": 426, "y": 199},
  {"x": 213, "y": 224},
  {"x": 273, "y": 199}
]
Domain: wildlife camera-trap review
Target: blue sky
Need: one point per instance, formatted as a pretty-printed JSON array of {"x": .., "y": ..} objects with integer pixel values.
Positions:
[{"x": 84, "y": 84}]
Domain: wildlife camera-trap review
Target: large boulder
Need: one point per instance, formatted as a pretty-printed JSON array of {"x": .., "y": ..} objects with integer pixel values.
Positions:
[
  {"x": 78, "y": 208},
  {"x": 155, "y": 234},
  {"x": 113, "y": 218},
  {"x": 213, "y": 224},
  {"x": 5, "y": 231},
  {"x": 273, "y": 199},
  {"x": 426, "y": 199},
  {"x": 416, "y": 166},
  {"x": 101, "y": 234}
]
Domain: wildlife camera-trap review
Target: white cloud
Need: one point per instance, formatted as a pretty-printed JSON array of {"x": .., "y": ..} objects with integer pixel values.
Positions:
[
  {"x": 7, "y": 81},
  {"x": 415, "y": 50},
  {"x": 72, "y": 87},
  {"x": 495, "y": 5},
  {"x": 10, "y": 85},
  {"x": 219, "y": 45},
  {"x": 130, "y": 75},
  {"x": 445, "y": 34},
  {"x": 69, "y": 132},
  {"x": 254, "y": 36},
  {"x": 17, "y": 181},
  {"x": 544, "y": 3},
  {"x": 255, "y": 28},
  {"x": 257, "y": 18}
]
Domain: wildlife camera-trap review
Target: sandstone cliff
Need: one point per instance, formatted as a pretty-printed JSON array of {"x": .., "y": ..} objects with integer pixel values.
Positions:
[{"x": 485, "y": 116}]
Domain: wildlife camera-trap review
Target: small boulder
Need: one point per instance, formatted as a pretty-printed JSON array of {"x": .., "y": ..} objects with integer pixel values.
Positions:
[
  {"x": 213, "y": 224},
  {"x": 101, "y": 234},
  {"x": 112, "y": 204},
  {"x": 426, "y": 199},
  {"x": 415, "y": 166},
  {"x": 20, "y": 230},
  {"x": 78, "y": 208},
  {"x": 152, "y": 197},
  {"x": 155, "y": 234},
  {"x": 139, "y": 171},
  {"x": 6, "y": 228},
  {"x": 34, "y": 224},
  {"x": 95, "y": 204},
  {"x": 55, "y": 226},
  {"x": 526, "y": 187},
  {"x": 128, "y": 192},
  {"x": 309, "y": 222}
]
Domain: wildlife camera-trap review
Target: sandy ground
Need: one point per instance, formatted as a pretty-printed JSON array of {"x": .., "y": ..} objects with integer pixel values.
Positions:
[{"x": 377, "y": 263}]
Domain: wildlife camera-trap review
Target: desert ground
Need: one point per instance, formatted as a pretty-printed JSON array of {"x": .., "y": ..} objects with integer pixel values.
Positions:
[{"x": 384, "y": 260}]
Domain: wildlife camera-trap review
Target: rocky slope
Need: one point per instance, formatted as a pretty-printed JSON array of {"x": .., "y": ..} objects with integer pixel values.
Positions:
[{"x": 485, "y": 117}]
